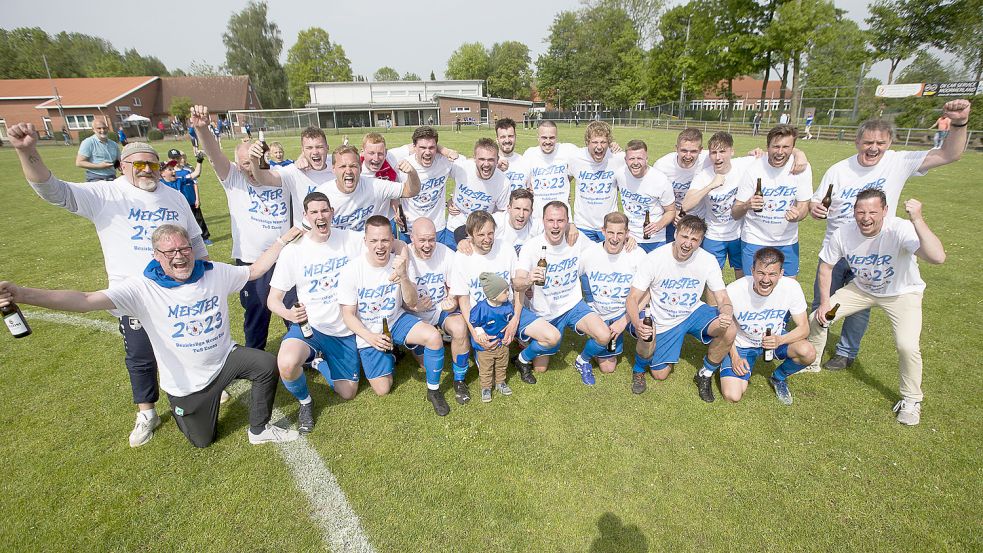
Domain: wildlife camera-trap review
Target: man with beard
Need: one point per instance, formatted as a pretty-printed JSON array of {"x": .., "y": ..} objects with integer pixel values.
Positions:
[
  {"x": 305, "y": 175},
  {"x": 549, "y": 167},
  {"x": 515, "y": 226},
  {"x": 433, "y": 169},
  {"x": 645, "y": 190},
  {"x": 518, "y": 170},
  {"x": 125, "y": 212},
  {"x": 681, "y": 166},
  {"x": 98, "y": 154},
  {"x": 478, "y": 186}
]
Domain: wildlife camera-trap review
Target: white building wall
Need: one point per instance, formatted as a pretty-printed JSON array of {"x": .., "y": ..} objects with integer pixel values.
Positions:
[{"x": 371, "y": 94}]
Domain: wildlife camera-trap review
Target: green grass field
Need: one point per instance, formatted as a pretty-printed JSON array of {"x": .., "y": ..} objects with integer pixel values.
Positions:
[{"x": 556, "y": 467}]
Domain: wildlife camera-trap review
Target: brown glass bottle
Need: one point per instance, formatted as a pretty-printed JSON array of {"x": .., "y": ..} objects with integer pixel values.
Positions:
[
  {"x": 386, "y": 333},
  {"x": 305, "y": 325},
  {"x": 759, "y": 192},
  {"x": 401, "y": 219},
  {"x": 769, "y": 354},
  {"x": 648, "y": 221},
  {"x": 263, "y": 164},
  {"x": 647, "y": 321},
  {"x": 827, "y": 200},
  {"x": 15, "y": 321},
  {"x": 831, "y": 314},
  {"x": 544, "y": 265}
]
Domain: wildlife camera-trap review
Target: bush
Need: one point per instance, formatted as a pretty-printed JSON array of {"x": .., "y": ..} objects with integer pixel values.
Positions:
[{"x": 155, "y": 134}]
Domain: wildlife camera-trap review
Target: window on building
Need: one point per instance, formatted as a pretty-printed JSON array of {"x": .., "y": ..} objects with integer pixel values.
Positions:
[
  {"x": 78, "y": 122},
  {"x": 460, "y": 109},
  {"x": 3, "y": 128},
  {"x": 137, "y": 102}
]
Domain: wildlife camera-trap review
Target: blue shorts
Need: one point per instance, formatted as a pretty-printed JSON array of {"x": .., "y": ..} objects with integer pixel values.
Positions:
[
  {"x": 671, "y": 232},
  {"x": 568, "y": 319},
  {"x": 417, "y": 349},
  {"x": 669, "y": 343},
  {"x": 648, "y": 247},
  {"x": 724, "y": 249},
  {"x": 619, "y": 342},
  {"x": 339, "y": 352},
  {"x": 377, "y": 363},
  {"x": 751, "y": 355},
  {"x": 446, "y": 237},
  {"x": 791, "y": 266},
  {"x": 594, "y": 235}
]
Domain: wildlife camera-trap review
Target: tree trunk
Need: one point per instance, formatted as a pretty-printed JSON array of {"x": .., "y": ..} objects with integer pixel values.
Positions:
[
  {"x": 890, "y": 72},
  {"x": 796, "y": 67},
  {"x": 764, "y": 83},
  {"x": 783, "y": 87}
]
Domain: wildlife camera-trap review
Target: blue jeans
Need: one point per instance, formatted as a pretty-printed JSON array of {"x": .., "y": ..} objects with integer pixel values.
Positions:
[{"x": 855, "y": 325}]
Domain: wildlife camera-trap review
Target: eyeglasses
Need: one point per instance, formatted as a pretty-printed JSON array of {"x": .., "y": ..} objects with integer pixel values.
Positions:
[
  {"x": 145, "y": 165},
  {"x": 169, "y": 254}
]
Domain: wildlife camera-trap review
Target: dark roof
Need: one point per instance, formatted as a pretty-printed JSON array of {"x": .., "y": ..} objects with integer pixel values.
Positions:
[{"x": 219, "y": 93}]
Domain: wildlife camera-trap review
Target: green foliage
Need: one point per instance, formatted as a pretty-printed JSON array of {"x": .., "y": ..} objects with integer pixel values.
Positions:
[
  {"x": 385, "y": 73},
  {"x": 314, "y": 58},
  {"x": 469, "y": 61},
  {"x": 898, "y": 28},
  {"x": 180, "y": 107},
  {"x": 644, "y": 15},
  {"x": 510, "y": 75},
  {"x": 252, "y": 47},
  {"x": 670, "y": 60},
  {"x": 966, "y": 41},
  {"x": 432, "y": 76},
  {"x": 410, "y": 76},
  {"x": 155, "y": 134},
  {"x": 69, "y": 55}
]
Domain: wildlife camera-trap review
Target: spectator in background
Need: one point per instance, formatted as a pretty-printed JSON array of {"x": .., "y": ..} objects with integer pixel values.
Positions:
[
  {"x": 193, "y": 135},
  {"x": 942, "y": 124},
  {"x": 122, "y": 136},
  {"x": 248, "y": 129},
  {"x": 277, "y": 157},
  {"x": 174, "y": 174},
  {"x": 98, "y": 155},
  {"x": 756, "y": 124}
]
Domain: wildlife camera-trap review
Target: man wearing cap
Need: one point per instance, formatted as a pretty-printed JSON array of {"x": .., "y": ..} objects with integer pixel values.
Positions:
[
  {"x": 125, "y": 213},
  {"x": 98, "y": 154}
]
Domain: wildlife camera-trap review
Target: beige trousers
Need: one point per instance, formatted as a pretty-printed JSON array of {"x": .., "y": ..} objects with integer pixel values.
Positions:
[{"x": 904, "y": 312}]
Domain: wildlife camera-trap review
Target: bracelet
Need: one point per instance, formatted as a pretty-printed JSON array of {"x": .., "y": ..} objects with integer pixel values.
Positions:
[{"x": 959, "y": 126}]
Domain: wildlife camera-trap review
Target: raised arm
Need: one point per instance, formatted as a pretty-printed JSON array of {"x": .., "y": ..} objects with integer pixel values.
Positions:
[
  {"x": 955, "y": 144},
  {"x": 265, "y": 177},
  {"x": 24, "y": 138},
  {"x": 199, "y": 121},
  {"x": 930, "y": 247},
  {"x": 269, "y": 257},
  {"x": 62, "y": 300},
  {"x": 411, "y": 186}
]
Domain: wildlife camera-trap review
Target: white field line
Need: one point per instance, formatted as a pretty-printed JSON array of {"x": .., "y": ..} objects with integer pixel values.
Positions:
[{"x": 340, "y": 527}]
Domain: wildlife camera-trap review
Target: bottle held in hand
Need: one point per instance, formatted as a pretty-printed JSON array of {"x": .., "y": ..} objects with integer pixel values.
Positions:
[
  {"x": 758, "y": 192},
  {"x": 305, "y": 325},
  {"x": 263, "y": 164},
  {"x": 769, "y": 354},
  {"x": 386, "y": 333},
  {"x": 15, "y": 321},
  {"x": 542, "y": 263}
]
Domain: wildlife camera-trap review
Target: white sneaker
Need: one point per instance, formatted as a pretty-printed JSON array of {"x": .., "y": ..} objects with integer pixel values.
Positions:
[
  {"x": 143, "y": 430},
  {"x": 272, "y": 434},
  {"x": 224, "y": 397},
  {"x": 909, "y": 413}
]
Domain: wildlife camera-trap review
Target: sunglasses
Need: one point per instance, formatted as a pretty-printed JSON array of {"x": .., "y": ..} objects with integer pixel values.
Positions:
[
  {"x": 145, "y": 165},
  {"x": 169, "y": 254}
]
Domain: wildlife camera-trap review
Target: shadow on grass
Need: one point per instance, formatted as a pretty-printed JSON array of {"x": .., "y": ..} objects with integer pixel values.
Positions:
[
  {"x": 615, "y": 537},
  {"x": 858, "y": 372}
]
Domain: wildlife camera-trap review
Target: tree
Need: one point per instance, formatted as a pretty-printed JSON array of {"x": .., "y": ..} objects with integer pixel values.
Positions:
[
  {"x": 252, "y": 47},
  {"x": 839, "y": 58},
  {"x": 314, "y": 58},
  {"x": 556, "y": 68},
  {"x": 202, "y": 69},
  {"x": 180, "y": 108},
  {"x": 432, "y": 76},
  {"x": 510, "y": 75},
  {"x": 410, "y": 76},
  {"x": 898, "y": 28},
  {"x": 644, "y": 15},
  {"x": 386, "y": 73},
  {"x": 469, "y": 61},
  {"x": 966, "y": 17}
]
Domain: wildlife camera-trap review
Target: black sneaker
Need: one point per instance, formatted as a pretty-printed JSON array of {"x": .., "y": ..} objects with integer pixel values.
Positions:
[
  {"x": 525, "y": 370},
  {"x": 704, "y": 384},
  {"x": 838, "y": 363},
  {"x": 305, "y": 418},
  {"x": 637, "y": 383},
  {"x": 461, "y": 392},
  {"x": 439, "y": 403}
]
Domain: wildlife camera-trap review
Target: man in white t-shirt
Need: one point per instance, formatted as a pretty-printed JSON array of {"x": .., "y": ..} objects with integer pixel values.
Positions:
[
  {"x": 433, "y": 168},
  {"x": 681, "y": 166},
  {"x": 313, "y": 265},
  {"x": 183, "y": 303},
  {"x": 596, "y": 188},
  {"x": 259, "y": 214},
  {"x": 479, "y": 185},
  {"x": 549, "y": 167},
  {"x": 488, "y": 255},
  {"x": 607, "y": 270},
  {"x": 515, "y": 225},
  {"x": 674, "y": 277},
  {"x": 763, "y": 301},
  {"x": 373, "y": 291},
  {"x": 645, "y": 191},
  {"x": 712, "y": 193},
  {"x": 882, "y": 252},
  {"x": 874, "y": 166},
  {"x": 303, "y": 177},
  {"x": 379, "y": 163},
  {"x": 771, "y": 215},
  {"x": 125, "y": 213},
  {"x": 557, "y": 296},
  {"x": 431, "y": 268},
  {"x": 518, "y": 170}
]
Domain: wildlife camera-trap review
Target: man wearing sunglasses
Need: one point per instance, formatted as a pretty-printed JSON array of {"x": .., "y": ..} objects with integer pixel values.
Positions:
[{"x": 125, "y": 212}]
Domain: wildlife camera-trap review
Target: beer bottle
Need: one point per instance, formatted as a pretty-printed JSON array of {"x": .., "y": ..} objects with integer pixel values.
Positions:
[
  {"x": 305, "y": 325},
  {"x": 263, "y": 164},
  {"x": 827, "y": 200},
  {"x": 613, "y": 344},
  {"x": 682, "y": 213},
  {"x": 647, "y": 321},
  {"x": 544, "y": 265},
  {"x": 769, "y": 354},
  {"x": 401, "y": 219},
  {"x": 15, "y": 321},
  {"x": 758, "y": 192},
  {"x": 386, "y": 333},
  {"x": 831, "y": 314},
  {"x": 648, "y": 221}
]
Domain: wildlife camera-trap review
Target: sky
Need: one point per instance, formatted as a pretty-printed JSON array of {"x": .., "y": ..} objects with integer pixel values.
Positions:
[{"x": 407, "y": 35}]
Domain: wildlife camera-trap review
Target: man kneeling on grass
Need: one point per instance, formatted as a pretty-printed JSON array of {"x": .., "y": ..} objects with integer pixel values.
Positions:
[{"x": 183, "y": 304}]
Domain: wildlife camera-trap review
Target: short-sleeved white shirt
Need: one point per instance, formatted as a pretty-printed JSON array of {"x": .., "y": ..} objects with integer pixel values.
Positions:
[
  {"x": 680, "y": 177},
  {"x": 465, "y": 270},
  {"x": 370, "y": 197},
  {"x": 505, "y": 234},
  {"x": 548, "y": 175},
  {"x": 259, "y": 215},
  {"x": 675, "y": 287},
  {"x": 315, "y": 269},
  {"x": 125, "y": 218},
  {"x": 781, "y": 191},
  {"x": 651, "y": 193},
  {"x": 849, "y": 178},
  {"x": 387, "y": 210},
  {"x": 596, "y": 189},
  {"x": 883, "y": 265},
  {"x": 562, "y": 290},
  {"x": 431, "y": 202},
  {"x": 432, "y": 276},
  {"x": 518, "y": 171},
  {"x": 301, "y": 183},
  {"x": 755, "y": 313},
  {"x": 609, "y": 278},
  {"x": 717, "y": 204},
  {"x": 472, "y": 193},
  {"x": 374, "y": 296},
  {"x": 188, "y": 325}
]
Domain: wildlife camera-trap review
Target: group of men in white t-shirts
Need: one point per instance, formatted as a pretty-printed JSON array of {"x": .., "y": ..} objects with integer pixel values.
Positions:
[{"x": 375, "y": 251}]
